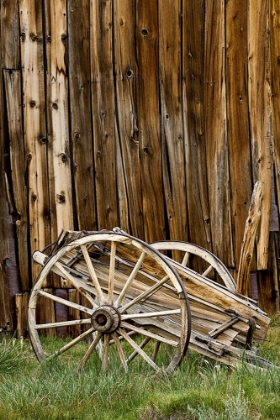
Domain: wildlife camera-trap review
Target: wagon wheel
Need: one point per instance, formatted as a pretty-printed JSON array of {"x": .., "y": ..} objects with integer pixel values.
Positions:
[
  {"x": 213, "y": 265},
  {"x": 132, "y": 302}
]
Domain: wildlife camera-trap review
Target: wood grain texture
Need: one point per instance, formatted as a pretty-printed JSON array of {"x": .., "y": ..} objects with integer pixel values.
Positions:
[
  {"x": 59, "y": 154},
  {"x": 216, "y": 132},
  {"x": 149, "y": 134},
  {"x": 238, "y": 114},
  {"x": 243, "y": 283},
  {"x": 12, "y": 83},
  {"x": 199, "y": 223},
  {"x": 34, "y": 123},
  {"x": 172, "y": 135},
  {"x": 260, "y": 115},
  {"x": 103, "y": 113},
  {"x": 78, "y": 43},
  {"x": 126, "y": 76}
]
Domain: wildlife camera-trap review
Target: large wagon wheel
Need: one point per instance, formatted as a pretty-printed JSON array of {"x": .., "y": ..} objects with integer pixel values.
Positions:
[
  {"x": 132, "y": 301},
  {"x": 213, "y": 266}
]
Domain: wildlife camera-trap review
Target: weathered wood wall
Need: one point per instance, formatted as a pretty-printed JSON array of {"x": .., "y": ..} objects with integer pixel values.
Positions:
[{"x": 157, "y": 116}]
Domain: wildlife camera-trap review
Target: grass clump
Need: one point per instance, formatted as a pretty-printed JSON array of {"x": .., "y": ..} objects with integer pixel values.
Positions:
[{"x": 12, "y": 355}]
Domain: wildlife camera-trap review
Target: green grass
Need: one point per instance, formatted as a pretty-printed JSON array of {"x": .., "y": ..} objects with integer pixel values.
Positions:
[{"x": 198, "y": 389}]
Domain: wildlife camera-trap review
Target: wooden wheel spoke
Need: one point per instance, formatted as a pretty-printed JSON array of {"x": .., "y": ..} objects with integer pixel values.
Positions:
[
  {"x": 71, "y": 344},
  {"x": 144, "y": 294},
  {"x": 207, "y": 271},
  {"x": 156, "y": 350},
  {"x": 111, "y": 276},
  {"x": 131, "y": 278},
  {"x": 120, "y": 351},
  {"x": 148, "y": 333},
  {"x": 137, "y": 348},
  {"x": 63, "y": 324},
  {"x": 105, "y": 354},
  {"x": 93, "y": 275},
  {"x": 186, "y": 258},
  {"x": 90, "y": 350},
  {"x": 141, "y": 345},
  {"x": 66, "y": 302},
  {"x": 150, "y": 314}
]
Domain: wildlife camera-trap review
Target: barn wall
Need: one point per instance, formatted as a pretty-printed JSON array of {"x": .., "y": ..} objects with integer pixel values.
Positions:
[{"x": 155, "y": 116}]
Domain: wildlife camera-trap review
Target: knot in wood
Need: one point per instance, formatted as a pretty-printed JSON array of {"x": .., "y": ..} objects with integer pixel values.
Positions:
[
  {"x": 61, "y": 198},
  {"x": 32, "y": 103},
  {"x": 33, "y": 37},
  {"x": 144, "y": 32}
]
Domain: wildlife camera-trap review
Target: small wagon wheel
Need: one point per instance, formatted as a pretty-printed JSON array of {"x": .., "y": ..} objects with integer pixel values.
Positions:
[
  {"x": 132, "y": 302},
  {"x": 213, "y": 264}
]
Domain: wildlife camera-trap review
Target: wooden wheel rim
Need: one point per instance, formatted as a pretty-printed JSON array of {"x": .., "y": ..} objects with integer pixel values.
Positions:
[
  {"x": 117, "y": 318},
  {"x": 204, "y": 254}
]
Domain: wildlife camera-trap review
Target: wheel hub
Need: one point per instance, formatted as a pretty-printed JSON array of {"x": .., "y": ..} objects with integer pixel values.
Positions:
[{"x": 106, "y": 319}]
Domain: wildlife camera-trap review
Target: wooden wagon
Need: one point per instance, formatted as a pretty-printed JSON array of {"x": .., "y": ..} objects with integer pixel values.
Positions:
[{"x": 137, "y": 301}]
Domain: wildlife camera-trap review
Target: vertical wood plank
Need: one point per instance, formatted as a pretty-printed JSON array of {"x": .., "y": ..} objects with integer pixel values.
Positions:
[
  {"x": 149, "y": 121},
  {"x": 259, "y": 107},
  {"x": 173, "y": 153},
  {"x": 5, "y": 315},
  {"x": 126, "y": 75},
  {"x": 275, "y": 88},
  {"x": 34, "y": 123},
  {"x": 80, "y": 112},
  {"x": 21, "y": 300},
  {"x": 216, "y": 132},
  {"x": 238, "y": 115},
  {"x": 103, "y": 112},
  {"x": 59, "y": 156},
  {"x": 194, "y": 127},
  {"x": 12, "y": 83},
  {"x": 10, "y": 50}
]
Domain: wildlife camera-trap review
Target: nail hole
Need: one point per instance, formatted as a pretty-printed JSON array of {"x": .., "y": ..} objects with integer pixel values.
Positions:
[
  {"x": 129, "y": 73},
  {"x": 144, "y": 32}
]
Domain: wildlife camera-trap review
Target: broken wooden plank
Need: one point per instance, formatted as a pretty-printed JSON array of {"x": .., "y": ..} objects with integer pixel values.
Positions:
[{"x": 243, "y": 284}]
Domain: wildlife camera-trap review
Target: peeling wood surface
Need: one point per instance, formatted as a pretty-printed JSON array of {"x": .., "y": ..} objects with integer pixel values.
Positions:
[{"x": 243, "y": 283}]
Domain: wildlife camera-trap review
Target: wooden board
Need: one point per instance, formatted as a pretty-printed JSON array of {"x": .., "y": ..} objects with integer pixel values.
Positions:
[
  {"x": 260, "y": 116},
  {"x": 238, "y": 124},
  {"x": 199, "y": 223},
  {"x": 216, "y": 132},
  {"x": 103, "y": 114},
  {"x": 172, "y": 134},
  {"x": 12, "y": 83},
  {"x": 57, "y": 98},
  {"x": 34, "y": 123},
  {"x": 78, "y": 42},
  {"x": 125, "y": 84},
  {"x": 148, "y": 120}
]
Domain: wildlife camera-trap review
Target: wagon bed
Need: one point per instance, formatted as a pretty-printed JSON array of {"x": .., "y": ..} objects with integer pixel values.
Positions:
[{"x": 134, "y": 299}]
